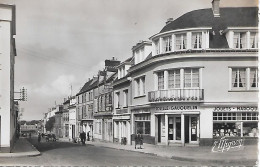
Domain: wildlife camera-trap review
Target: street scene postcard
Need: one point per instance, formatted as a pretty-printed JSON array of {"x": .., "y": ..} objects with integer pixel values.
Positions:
[{"x": 129, "y": 83}]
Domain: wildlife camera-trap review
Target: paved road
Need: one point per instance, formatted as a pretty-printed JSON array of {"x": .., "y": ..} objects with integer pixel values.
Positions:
[{"x": 69, "y": 154}]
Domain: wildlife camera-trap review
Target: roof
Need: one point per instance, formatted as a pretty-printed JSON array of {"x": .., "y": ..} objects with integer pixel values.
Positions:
[
  {"x": 88, "y": 85},
  {"x": 229, "y": 17}
]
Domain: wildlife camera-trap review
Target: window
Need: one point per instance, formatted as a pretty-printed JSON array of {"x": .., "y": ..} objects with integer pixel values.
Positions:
[
  {"x": 140, "y": 86},
  {"x": 241, "y": 79},
  {"x": 157, "y": 47},
  {"x": 191, "y": 78},
  {"x": 254, "y": 78},
  {"x": 196, "y": 40},
  {"x": 174, "y": 79},
  {"x": 125, "y": 98},
  {"x": 160, "y": 80},
  {"x": 253, "y": 40},
  {"x": 142, "y": 123},
  {"x": 98, "y": 127},
  {"x": 181, "y": 42},
  {"x": 239, "y": 40},
  {"x": 167, "y": 44},
  {"x": 117, "y": 99}
]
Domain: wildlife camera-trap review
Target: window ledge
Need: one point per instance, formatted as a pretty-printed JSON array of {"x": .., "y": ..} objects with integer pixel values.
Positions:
[
  {"x": 125, "y": 107},
  {"x": 252, "y": 90},
  {"x": 136, "y": 97}
]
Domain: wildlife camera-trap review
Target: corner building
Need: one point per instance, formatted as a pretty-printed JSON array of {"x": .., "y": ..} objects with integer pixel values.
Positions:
[{"x": 200, "y": 82}]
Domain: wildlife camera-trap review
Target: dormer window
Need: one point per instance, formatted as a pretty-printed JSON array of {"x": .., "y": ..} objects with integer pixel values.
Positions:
[
  {"x": 253, "y": 40},
  {"x": 157, "y": 47},
  {"x": 197, "y": 40},
  {"x": 239, "y": 40},
  {"x": 181, "y": 42},
  {"x": 167, "y": 44}
]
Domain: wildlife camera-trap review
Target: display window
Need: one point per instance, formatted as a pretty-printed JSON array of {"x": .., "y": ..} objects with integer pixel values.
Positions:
[
  {"x": 142, "y": 124},
  {"x": 235, "y": 124}
]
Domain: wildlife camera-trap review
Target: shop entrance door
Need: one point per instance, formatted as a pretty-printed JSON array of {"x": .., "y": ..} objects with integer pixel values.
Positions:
[
  {"x": 159, "y": 128},
  {"x": 193, "y": 121},
  {"x": 186, "y": 129},
  {"x": 174, "y": 128}
]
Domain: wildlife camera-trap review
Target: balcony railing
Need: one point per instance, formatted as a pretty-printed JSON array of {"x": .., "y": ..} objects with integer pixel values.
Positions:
[{"x": 176, "y": 95}]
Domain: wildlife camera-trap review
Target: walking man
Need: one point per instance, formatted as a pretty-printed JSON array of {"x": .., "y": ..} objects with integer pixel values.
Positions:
[
  {"x": 39, "y": 138},
  {"x": 83, "y": 138}
]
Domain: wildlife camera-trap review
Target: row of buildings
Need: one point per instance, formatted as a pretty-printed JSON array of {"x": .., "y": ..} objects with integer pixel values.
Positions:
[{"x": 191, "y": 83}]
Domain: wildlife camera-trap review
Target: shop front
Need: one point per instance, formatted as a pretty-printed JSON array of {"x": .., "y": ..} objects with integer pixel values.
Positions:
[
  {"x": 122, "y": 129},
  {"x": 88, "y": 127},
  {"x": 177, "y": 125},
  {"x": 236, "y": 122}
]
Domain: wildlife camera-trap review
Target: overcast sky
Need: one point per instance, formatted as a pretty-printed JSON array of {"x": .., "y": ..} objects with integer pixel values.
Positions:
[{"x": 64, "y": 42}]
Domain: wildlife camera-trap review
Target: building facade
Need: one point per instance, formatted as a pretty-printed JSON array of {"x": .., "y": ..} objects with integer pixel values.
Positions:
[
  {"x": 72, "y": 118},
  {"x": 201, "y": 82},
  {"x": 7, "y": 57}
]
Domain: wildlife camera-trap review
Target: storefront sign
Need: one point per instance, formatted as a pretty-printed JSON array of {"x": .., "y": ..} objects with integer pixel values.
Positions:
[
  {"x": 177, "y": 108},
  {"x": 243, "y": 108},
  {"x": 225, "y": 144}
]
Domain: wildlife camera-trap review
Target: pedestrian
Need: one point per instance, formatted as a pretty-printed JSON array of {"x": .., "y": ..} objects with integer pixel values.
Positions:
[
  {"x": 88, "y": 135},
  {"x": 138, "y": 140},
  {"x": 83, "y": 138},
  {"x": 39, "y": 138},
  {"x": 30, "y": 135}
]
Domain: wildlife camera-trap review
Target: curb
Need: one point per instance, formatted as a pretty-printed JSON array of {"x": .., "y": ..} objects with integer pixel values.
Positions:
[
  {"x": 214, "y": 160},
  {"x": 26, "y": 154},
  {"x": 179, "y": 158}
]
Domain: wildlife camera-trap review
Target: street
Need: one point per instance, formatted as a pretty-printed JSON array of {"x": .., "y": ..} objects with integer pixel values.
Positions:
[{"x": 70, "y": 154}]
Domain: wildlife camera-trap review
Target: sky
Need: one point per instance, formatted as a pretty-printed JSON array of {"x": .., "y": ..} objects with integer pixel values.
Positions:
[{"x": 62, "y": 43}]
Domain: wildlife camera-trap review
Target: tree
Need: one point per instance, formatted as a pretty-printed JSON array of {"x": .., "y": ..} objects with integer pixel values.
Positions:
[{"x": 49, "y": 124}]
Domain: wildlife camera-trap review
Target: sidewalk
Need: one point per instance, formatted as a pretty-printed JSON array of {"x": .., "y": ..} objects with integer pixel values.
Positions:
[
  {"x": 193, "y": 154},
  {"x": 22, "y": 148}
]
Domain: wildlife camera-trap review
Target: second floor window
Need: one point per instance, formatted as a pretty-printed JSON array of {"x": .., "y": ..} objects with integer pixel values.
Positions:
[
  {"x": 191, "y": 78},
  {"x": 167, "y": 44},
  {"x": 140, "y": 86},
  {"x": 245, "y": 78},
  {"x": 174, "y": 79},
  {"x": 181, "y": 42},
  {"x": 160, "y": 80},
  {"x": 117, "y": 100},
  {"x": 125, "y": 98},
  {"x": 254, "y": 78},
  {"x": 239, "y": 78},
  {"x": 196, "y": 40}
]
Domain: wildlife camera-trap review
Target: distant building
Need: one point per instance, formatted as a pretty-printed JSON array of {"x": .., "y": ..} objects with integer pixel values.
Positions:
[
  {"x": 65, "y": 117},
  {"x": 7, "y": 61},
  {"x": 72, "y": 118}
]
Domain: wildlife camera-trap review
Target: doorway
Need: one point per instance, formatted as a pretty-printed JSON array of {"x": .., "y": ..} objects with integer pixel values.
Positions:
[
  {"x": 159, "y": 128},
  {"x": 186, "y": 129}
]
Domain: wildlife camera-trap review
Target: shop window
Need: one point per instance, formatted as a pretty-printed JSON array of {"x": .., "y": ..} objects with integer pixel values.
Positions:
[
  {"x": 219, "y": 116},
  {"x": 227, "y": 129},
  {"x": 142, "y": 123},
  {"x": 250, "y": 129},
  {"x": 174, "y": 79}
]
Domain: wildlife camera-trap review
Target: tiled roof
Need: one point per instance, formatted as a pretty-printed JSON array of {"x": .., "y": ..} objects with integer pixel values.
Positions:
[{"x": 229, "y": 17}]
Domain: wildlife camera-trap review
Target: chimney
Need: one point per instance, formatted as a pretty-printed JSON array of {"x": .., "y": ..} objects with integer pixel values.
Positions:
[
  {"x": 215, "y": 8},
  {"x": 169, "y": 20}
]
